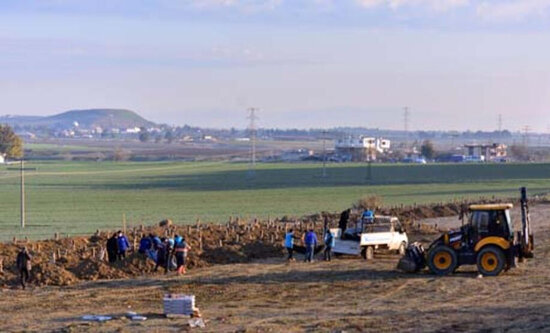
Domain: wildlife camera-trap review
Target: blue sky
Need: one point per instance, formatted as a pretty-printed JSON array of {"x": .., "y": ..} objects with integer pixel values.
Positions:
[{"x": 457, "y": 64}]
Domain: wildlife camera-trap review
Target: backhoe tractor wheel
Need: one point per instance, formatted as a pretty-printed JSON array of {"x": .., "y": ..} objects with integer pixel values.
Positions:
[
  {"x": 442, "y": 260},
  {"x": 402, "y": 248},
  {"x": 491, "y": 261}
]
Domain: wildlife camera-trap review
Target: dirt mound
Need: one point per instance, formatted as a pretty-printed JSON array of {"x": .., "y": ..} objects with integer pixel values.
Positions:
[
  {"x": 165, "y": 223},
  {"x": 89, "y": 269},
  {"x": 52, "y": 274}
]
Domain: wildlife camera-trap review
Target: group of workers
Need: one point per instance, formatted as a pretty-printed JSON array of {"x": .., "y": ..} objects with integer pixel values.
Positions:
[
  {"x": 168, "y": 253},
  {"x": 171, "y": 253},
  {"x": 310, "y": 242},
  {"x": 117, "y": 245}
]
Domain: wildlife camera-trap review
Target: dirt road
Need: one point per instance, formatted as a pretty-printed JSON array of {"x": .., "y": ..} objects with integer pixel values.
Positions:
[{"x": 346, "y": 294}]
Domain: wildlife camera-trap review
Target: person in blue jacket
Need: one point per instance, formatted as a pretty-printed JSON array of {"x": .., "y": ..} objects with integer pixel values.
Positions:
[
  {"x": 368, "y": 216},
  {"x": 310, "y": 241},
  {"x": 123, "y": 245},
  {"x": 289, "y": 244},
  {"x": 145, "y": 244},
  {"x": 329, "y": 244}
]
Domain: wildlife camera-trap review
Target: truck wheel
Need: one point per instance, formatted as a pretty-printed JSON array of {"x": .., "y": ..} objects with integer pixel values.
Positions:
[
  {"x": 402, "y": 248},
  {"x": 442, "y": 260},
  {"x": 369, "y": 253},
  {"x": 491, "y": 261}
]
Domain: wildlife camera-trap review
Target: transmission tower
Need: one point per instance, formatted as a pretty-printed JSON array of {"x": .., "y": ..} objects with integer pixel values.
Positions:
[
  {"x": 324, "y": 175},
  {"x": 406, "y": 120},
  {"x": 252, "y": 130},
  {"x": 500, "y": 123},
  {"x": 526, "y": 129}
]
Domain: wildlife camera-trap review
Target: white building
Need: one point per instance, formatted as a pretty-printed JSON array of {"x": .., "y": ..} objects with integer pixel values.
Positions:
[
  {"x": 362, "y": 148},
  {"x": 485, "y": 152},
  {"x": 2, "y": 159},
  {"x": 133, "y": 130}
]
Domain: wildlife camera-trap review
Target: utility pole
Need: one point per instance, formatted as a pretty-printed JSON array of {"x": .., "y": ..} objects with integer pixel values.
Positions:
[
  {"x": 406, "y": 120},
  {"x": 252, "y": 131},
  {"x": 22, "y": 194},
  {"x": 369, "y": 161},
  {"x": 324, "y": 154}
]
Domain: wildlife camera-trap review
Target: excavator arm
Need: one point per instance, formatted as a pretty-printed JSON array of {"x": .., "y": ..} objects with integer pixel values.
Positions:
[{"x": 526, "y": 240}]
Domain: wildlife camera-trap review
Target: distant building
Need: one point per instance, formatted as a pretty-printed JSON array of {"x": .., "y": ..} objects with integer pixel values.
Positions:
[
  {"x": 2, "y": 159},
  {"x": 361, "y": 148},
  {"x": 133, "y": 130},
  {"x": 486, "y": 152},
  {"x": 27, "y": 135},
  {"x": 209, "y": 138}
]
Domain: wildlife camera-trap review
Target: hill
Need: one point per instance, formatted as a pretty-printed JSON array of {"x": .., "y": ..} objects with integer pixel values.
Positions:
[{"x": 91, "y": 118}]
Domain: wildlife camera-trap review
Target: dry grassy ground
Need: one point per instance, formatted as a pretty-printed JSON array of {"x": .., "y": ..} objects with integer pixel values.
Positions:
[{"x": 346, "y": 294}]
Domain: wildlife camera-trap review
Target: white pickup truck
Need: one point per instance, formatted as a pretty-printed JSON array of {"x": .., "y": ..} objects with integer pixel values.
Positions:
[{"x": 385, "y": 232}]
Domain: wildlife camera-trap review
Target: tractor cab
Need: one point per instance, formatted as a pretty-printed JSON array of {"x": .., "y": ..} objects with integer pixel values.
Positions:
[{"x": 489, "y": 220}]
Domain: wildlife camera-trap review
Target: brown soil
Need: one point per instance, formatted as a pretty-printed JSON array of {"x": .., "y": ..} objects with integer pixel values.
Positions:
[{"x": 271, "y": 295}]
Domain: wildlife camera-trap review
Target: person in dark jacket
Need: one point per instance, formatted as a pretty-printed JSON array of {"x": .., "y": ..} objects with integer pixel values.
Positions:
[
  {"x": 310, "y": 241},
  {"x": 162, "y": 255},
  {"x": 343, "y": 223},
  {"x": 112, "y": 248},
  {"x": 23, "y": 262},
  {"x": 123, "y": 245}
]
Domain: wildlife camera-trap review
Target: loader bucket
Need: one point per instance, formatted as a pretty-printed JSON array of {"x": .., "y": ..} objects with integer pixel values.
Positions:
[
  {"x": 407, "y": 265},
  {"x": 413, "y": 260}
]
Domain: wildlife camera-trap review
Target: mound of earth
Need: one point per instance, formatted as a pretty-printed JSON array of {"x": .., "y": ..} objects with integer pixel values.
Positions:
[
  {"x": 52, "y": 274},
  {"x": 89, "y": 269}
]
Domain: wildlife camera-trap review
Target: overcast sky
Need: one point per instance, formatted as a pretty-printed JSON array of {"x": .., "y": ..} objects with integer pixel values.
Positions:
[{"x": 457, "y": 64}]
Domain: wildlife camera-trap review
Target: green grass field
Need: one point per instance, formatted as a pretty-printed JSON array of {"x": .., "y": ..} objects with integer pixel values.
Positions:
[{"x": 80, "y": 197}]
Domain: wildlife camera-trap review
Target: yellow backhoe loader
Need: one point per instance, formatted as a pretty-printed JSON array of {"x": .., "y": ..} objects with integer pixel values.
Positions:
[{"x": 486, "y": 239}]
